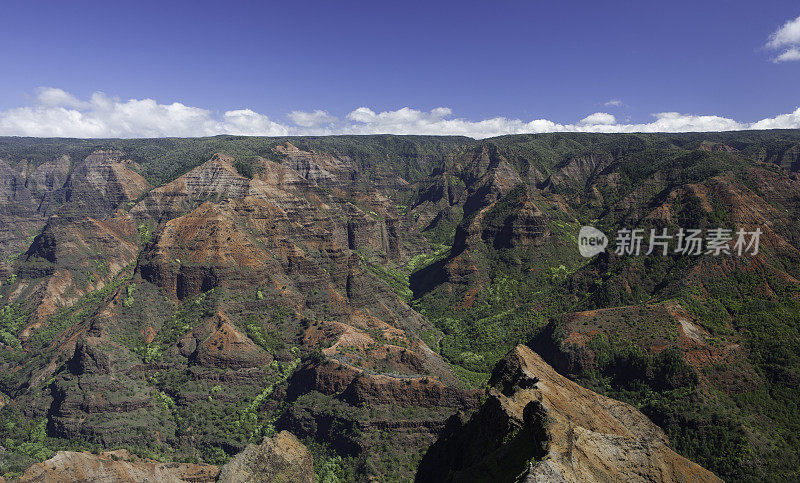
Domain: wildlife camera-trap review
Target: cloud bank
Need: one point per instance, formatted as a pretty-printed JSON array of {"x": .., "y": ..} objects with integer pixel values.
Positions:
[
  {"x": 57, "y": 113},
  {"x": 787, "y": 39},
  {"x": 60, "y": 114}
]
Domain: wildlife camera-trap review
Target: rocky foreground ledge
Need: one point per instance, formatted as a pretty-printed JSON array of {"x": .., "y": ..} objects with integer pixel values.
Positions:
[
  {"x": 282, "y": 458},
  {"x": 537, "y": 425}
]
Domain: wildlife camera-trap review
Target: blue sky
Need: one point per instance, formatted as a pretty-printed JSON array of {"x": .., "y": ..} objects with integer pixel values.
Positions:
[{"x": 484, "y": 61}]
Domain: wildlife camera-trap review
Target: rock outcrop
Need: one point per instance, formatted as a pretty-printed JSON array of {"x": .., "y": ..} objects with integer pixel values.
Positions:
[
  {"x": 536, "y": 425},
  {"x": 321, "y": 168},
  {"x": 114, "y": 466},
  {"x": 576, "y": 172},
  {"x": 100, "y": 183},
  {"x": 18, "y": 216},
  {"x": 219, "y": 344},
  {"x": 281, "y": 458}
]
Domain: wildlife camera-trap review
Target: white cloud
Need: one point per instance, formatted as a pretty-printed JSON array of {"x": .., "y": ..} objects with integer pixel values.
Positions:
[
  {"x": 677, "y": 122},
  {"x": 405, "y": 121},
  {"x": 311, "y": 119},
  {"x": 789, "y": 55},
  {"x": 51, "y": 96},
  {"x": 249, "y": 123},
  {"x": 783, "y": 121},
  {"x": 57, "y": 113},
  {"x": 598, "y": 118},
  {"x": 411, "y": 121},
  {"x": 613, "y": 103},
  {"x": 786, "y": 38},
  {"x": 788, "y": 34}
]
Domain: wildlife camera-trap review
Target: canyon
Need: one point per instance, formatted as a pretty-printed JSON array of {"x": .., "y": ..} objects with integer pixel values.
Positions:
[{"x": 395, "y": 307}]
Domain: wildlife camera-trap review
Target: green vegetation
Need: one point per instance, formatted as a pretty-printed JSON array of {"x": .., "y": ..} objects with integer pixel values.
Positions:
[
  {"x": 247, "y": 167},
  {"x": 145, "y": 233},
  {"x": 422, "y": 260},
  {"x": 27, "y": 439},
  {"x": 397, "y": 280},
  {"x": 128, "y": 300},
  {"x": 329, "y": 467},
  {"x": 523, "y": 288},
  {"x": 267, "y": 335},
  {"x": 271, "y": 341},
  {"x": 249, "y": 417},
  {"x": 12, "y": 321}
]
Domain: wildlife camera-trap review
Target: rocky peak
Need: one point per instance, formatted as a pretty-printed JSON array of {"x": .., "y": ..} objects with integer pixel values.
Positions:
[
  {"x": 100, "y": 183},
  {"x": 215, "y": 179},
  {"x": 51, "y": 175},
  {"x": 536, "y": 425},
  {"x": 286, "y": 148},
  {"x": 218, "y": 343},
  {"x": 577, "y": 171},
  {"x": 491, "y": 177},
  {"x": 88, "y": 360}
]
